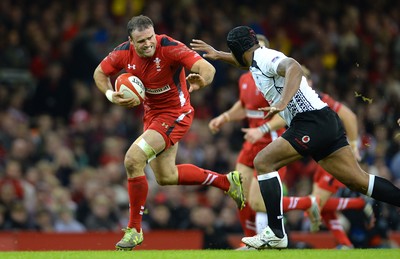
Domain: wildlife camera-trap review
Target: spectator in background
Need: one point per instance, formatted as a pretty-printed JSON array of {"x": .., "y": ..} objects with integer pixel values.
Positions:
[
  {"x": 54, "y": 94},
  {"x": 66, "y": 222},
  {"x": 18, "y": 218},
  {"x": 44, "y": 220},
  {"x": 215, "y": 237},
  {"x": 101, "y": 216}
]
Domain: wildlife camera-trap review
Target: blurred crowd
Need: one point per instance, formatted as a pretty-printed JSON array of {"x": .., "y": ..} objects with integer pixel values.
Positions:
[{"x": 62, "y": 144}]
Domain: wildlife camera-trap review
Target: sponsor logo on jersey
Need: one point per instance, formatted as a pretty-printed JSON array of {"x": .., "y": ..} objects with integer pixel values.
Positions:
[
  {"x": 132, "y": 66},
  {"x": 165, "y": 125},
  {"x": 158, "y": 90}
]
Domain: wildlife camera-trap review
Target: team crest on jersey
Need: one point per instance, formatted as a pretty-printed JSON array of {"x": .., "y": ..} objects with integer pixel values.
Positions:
[
  {"x": 305, "y": 139},
  {"x": 158, "y": 66}
]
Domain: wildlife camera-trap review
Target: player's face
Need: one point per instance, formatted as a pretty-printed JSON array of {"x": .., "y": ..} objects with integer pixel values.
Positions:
[{"x": 144, "y": 42}]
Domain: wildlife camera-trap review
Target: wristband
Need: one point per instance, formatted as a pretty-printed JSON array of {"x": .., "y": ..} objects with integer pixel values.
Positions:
[
  {"x": 353, "y": 143},
  {"x": 226, "y": 116},
  {"x": 265, "y": 128},
  {"x": 109, "y": 94}
]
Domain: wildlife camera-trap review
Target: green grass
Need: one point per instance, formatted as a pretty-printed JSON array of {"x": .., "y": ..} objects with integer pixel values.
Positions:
[{"x": 211, "y": 254}]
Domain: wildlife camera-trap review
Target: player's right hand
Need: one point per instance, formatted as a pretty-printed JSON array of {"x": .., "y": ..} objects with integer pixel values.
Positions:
[
  {"x": 215, "y": 124},
  {"x": 252, "y": 135},
  {"x": 200, "y": 45}
]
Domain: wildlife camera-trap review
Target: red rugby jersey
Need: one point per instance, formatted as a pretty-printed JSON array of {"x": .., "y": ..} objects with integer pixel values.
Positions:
[{"x": 163, "y": 74}]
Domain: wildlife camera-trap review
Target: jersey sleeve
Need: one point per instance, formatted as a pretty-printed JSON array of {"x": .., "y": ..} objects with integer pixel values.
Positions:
[
  {"x": 271, "y": 61},
  {"x": 179, "y": 52},
  {"x": 332, "y": 103},
  {"x": 241, "y": 81},
  {"x": 115, "y": 60}
]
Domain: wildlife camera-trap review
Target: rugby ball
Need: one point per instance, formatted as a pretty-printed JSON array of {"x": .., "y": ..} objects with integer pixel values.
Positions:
[{"x": 130, "y": 86}]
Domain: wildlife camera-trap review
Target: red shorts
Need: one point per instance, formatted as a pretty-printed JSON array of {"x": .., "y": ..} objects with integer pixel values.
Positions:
[
  {"x": 326, "y": 181},
  {"x": 172, "y": 126},
  {"x": 249, "y": 152}
]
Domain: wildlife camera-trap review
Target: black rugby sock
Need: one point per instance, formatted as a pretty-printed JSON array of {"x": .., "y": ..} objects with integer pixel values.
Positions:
[
  {"x": 271, "y": 191},
  {"x": 385, "y": 191}
]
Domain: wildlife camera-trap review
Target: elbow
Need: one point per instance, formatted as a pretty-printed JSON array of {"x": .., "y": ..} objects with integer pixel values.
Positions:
[
  {"x": 95, "y": 73},
  {"x": 210, "y": 75},
  {"x": 212, "y": 72}
]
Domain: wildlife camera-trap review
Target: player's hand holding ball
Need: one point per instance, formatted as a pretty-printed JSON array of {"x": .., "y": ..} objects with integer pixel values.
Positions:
[{"x": 129, "y": 91}]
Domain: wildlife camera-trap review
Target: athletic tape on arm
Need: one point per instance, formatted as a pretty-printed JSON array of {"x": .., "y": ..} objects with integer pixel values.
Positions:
[{"x": 147, "y": 149}]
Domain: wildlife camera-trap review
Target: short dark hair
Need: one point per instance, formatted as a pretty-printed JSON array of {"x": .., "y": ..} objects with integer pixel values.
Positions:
[
  {"x": 139, "y": 23},
  {"x": 239, "y": 40}
]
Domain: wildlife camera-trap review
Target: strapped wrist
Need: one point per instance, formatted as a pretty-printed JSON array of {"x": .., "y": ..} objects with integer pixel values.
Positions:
[
  {"x": 109, "y": 95},
  {"x": 353, "y": 143},
  {"x": 265, "y": 128}
]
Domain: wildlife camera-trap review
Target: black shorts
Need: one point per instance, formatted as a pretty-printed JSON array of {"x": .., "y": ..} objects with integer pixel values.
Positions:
[{"x": 316, "y": 133}]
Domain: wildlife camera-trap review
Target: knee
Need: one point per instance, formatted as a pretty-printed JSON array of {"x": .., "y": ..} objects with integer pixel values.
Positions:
[
  {"x": 261, "y": 164},
  {"x": 165, "y": 179},
  {"x": 134, "y": 165},
  {"x": 258, "y": 162}
]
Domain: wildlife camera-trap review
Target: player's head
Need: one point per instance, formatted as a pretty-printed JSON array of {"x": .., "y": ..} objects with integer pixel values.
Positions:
[
  {"x": 142, "y": 36},
  {"x": 240, "y": 40},
  {"x": 262, "y": 40}
]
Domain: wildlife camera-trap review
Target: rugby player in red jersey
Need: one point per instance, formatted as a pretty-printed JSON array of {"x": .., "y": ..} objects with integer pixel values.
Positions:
[{"x": 159, "y": 61}]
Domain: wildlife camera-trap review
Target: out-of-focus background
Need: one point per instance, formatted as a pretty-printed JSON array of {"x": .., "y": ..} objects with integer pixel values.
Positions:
[{"x": 62, "y": 143}]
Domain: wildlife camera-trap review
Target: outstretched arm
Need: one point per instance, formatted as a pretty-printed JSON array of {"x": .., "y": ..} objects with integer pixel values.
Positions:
[
  {"x": 202, "y": 75},
  {"x": 213, "y": 54}
]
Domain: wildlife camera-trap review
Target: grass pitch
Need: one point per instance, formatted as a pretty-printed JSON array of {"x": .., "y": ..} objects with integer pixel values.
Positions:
[{"x": 211, "y": 254}]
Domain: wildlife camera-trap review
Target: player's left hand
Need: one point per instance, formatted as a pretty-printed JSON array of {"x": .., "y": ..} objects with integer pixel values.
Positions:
[
  {"x": 273, "y": 109},
  {"x": 252, "y": 135},
  {"x": 196, "y": 82},
  {"x": 118, "y": 98}
]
